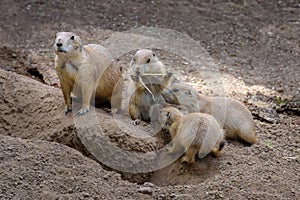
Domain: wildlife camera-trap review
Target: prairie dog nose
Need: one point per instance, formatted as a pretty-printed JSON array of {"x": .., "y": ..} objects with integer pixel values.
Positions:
[{"x": 58, "y": 44}]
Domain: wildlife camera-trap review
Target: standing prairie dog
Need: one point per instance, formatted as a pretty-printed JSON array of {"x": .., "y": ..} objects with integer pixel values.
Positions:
[
  {"x": 84, "y": 70},
  {"x": 197, "y": 133},
  {"x": 147, "y": 82},
  {"x": 235, "y": 117}
]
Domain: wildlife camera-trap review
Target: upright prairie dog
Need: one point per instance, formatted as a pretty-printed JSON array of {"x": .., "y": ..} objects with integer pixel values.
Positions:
[
  {"x": 84, "y": 70},
  {"x": 235, "y": 117},
  {"x": 147, "y": 82},
  {"x": 197, "y": 133}
]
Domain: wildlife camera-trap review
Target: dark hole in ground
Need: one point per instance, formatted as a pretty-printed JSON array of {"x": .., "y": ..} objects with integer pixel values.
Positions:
[{"x": 34, "y": 72}]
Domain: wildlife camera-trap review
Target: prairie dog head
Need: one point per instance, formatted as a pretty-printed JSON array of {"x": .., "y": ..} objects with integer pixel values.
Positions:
[
  {"x": 182, "y": 94},
  {"x": 67, "y": 43},
  {"x": 144, "y": 56},
  {"x": 145, "y": 61},
  {"x": 168, "y": 116}
]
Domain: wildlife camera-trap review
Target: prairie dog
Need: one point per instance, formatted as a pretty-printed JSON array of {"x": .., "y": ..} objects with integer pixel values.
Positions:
[
  {"x": 236, "y": 119},
  {"x": 197, "y": 133},
  {"x": 84, "y": 70},
  {"x": 147, "y": 82},
  {"x": 142, "y": 100}
]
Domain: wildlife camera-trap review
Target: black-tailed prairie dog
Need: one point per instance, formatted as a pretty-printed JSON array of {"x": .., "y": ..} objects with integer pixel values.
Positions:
[
  {"x": 84, "y": 70},
  {"x": 236, "y": 119},
  {"x": 198, "y": 133},
  {"x": 149, "y": 78}
]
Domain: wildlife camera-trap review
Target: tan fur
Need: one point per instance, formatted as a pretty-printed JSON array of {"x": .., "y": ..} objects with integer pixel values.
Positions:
[
  {"x": 145, "y": 62},
  {"x": 84, "y": 70},
  {"x": 235, "y": 117},
  {"x": 197, "y": 133}
]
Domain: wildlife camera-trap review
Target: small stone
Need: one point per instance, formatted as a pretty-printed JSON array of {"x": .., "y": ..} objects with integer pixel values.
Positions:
[
  {"x": 192, "y": 70},
  {"x": 105, "y": 177},
  {"x": 148, "y": 184},
  {"x": 173, "y": 195},
  {"x": 145, "y": 190},
  {"x": 86, "y": 195},
  {"x": 13, "y": 55},
  {"x": 280, "y": 90}
]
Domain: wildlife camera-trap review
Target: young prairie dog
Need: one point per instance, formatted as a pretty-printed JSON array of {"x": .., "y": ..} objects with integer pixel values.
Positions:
[
  {"x": 197, "y": 133},
  {"x": 147, "y": 82},
  {"x": 84, "y": 70},
  {"x": 236, "y": 119}
]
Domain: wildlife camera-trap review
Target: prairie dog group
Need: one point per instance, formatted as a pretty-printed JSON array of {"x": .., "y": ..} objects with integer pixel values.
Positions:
[
  {"x": 90, "y": 70},
  {"x": 84, "y": 70},
  {"x": 235, "y": 117},
  {"x": 197, "y": 133}
]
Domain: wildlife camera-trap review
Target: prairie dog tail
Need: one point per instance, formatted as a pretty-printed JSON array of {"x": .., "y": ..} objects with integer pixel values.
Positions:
[{"x": 221, "y": 145}]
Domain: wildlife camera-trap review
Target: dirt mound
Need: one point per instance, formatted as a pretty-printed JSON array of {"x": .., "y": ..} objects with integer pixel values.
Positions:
[{"x": 42, "y": 170}]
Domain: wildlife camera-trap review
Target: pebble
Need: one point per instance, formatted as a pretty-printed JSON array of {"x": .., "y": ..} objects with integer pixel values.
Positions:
[
  {"x": 105, "y": 177},
  {"x": 280, "y": 90},
  {"x": 13, "y": 55},
  {"x": 86, "y": 195},
  {"x": 145, "y": 190},
  {"x": 173, "y": 195},
  {"x": 148, "y": 184}
]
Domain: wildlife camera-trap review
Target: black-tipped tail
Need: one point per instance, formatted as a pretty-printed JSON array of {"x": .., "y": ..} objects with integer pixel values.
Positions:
[{"x": 221, "y": 145}]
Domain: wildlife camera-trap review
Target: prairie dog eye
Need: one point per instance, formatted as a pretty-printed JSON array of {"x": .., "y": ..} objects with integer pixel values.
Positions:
[
  {"x": 72, "y": 37},
  {"x": 175, "y": 90},
  {"x": 153, "y": 54},
  {"x": 168, "y": 115},
  {"x": 148, "y": 60}
]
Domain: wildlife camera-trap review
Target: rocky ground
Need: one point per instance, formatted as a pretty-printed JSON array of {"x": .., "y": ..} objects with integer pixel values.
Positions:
[{"x": 255, "y": 46}]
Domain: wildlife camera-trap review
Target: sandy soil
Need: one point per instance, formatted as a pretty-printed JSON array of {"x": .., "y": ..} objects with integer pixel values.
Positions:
[{"x": 256, "y": 45}]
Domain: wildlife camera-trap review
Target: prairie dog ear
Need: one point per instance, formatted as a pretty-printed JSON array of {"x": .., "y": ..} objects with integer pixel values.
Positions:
[
  {"x": 77, "y": 38},
  {"x": 175, "y": 90}
]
